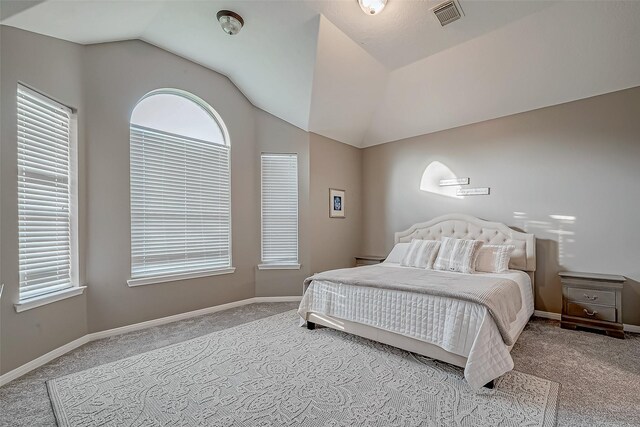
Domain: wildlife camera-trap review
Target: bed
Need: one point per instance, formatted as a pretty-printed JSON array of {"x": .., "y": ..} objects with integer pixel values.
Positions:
[{"x": 452, "y": 330}]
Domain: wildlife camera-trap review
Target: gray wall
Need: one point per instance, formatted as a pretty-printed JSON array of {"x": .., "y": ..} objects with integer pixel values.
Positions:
[
  {"x": 32, "y": 333},
  {"x": 104, "y": 82},
  {"x": 336, "y": 241},
  {"x": 580, "y": 159},
  {"x": 116, "y": 76}
]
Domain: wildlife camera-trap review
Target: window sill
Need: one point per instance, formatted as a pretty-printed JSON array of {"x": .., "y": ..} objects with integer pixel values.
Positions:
[
  {"x": 278, "y": 266},
  {"x": 175, "y": 277},
  {"x": 49, "y": 298}
]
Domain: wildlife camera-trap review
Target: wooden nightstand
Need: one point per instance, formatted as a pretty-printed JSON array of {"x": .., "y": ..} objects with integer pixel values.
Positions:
[
  {"x": 592, "y": 301},
  {"x": 369, "y": 260}
]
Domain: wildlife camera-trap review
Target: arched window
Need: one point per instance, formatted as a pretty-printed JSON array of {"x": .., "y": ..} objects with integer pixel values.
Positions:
[{"x": 180, "y": 189}]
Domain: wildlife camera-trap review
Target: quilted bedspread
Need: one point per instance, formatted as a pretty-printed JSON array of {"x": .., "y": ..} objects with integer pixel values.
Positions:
[
  {"x": 500, "y": 296},
  {"x": 459, "y": 326}
]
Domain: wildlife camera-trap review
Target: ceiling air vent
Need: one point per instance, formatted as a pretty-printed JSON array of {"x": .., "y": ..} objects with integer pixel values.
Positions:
[{"x": 447, "y": 12}]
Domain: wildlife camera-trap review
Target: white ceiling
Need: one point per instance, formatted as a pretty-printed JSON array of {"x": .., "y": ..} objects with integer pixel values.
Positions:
[
  {"x": 347, "y": 85},
  {"x": 571, "y": 51},
  {"x": 407, "y": 31},
  {"x": 326, "y": 67}
]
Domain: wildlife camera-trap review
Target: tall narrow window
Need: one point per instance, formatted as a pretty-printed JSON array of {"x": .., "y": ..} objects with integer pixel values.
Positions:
[
  {"x": 180, "y": 189},
  {"x": 279, "y": 211},
  {"x": 44, "y": 195}
]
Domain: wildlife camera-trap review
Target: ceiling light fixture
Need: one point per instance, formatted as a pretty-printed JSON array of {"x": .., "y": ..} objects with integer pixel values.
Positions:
[
  {"x": 372, "y": 7},
  {"x": 230, "y": 22}
]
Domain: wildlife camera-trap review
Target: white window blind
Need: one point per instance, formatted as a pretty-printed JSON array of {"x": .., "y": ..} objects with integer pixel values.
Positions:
[
  {"x": 180, "y": 204},
  {"x": 279, "y": 208},
  {"x": 44, "y": 195}
]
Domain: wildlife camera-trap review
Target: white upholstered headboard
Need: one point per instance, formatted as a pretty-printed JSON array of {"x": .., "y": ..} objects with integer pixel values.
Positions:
[{"x": 462, "y": 226}]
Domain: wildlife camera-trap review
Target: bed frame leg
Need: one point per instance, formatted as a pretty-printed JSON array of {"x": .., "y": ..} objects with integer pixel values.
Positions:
[
  {"x": 490, "y": 384},
  {"x": 311, "y": 326}
]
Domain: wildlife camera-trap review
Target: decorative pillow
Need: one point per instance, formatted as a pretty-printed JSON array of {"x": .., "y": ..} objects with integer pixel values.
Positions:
[
  {"x": 457, "y": 255},
  {"x": 421, "y": 253},
  {"x": 494, "y": 258},
  {"x": 397, "y": 253}
]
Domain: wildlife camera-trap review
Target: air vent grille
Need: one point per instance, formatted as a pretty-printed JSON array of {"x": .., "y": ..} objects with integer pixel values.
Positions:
[{"x": 447, "y": 12}]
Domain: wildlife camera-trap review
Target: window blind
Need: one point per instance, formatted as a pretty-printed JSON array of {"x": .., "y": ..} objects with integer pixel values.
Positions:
[
  {"x": 44, "y": 196},
  {"x": 279, "y": 208},
  {"x": 180, "y": 204}
]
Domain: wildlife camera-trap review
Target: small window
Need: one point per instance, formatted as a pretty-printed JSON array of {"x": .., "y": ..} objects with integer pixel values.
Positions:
[
  {"x": 45, "y": 187},
  {"x": 279, "y": 211},
  {"x": 180, "y": 189}
]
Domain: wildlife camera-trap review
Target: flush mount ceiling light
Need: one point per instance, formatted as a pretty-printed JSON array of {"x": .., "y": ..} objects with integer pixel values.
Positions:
[
  {"x": 230, "y": 22},
  {"x": 372, "y": 7}
]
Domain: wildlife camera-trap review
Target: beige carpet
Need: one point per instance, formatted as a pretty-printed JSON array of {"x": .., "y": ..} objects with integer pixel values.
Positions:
[
  {"x": 599, "y": 375},
  {"x": 274, "y": 373}
]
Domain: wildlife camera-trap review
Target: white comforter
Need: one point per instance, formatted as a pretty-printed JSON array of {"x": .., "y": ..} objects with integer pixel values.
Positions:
[{"x": 460, "y": 327}]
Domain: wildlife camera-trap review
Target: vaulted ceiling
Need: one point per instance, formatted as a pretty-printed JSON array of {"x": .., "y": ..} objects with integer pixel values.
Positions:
[{"x": 326, "y": 67}]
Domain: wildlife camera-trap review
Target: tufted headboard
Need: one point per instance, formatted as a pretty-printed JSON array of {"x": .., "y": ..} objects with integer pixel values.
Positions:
[{"x": 462, "y": 226}]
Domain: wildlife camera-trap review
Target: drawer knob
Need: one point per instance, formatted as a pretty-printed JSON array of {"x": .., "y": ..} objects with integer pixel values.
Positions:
[
  {"x": 591, "y": 298},
  {"x": 590, "y": 314}
]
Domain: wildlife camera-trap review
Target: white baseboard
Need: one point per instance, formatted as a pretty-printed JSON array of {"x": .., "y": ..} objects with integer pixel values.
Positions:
[
  {"x": 556, "y": 316},
  {"x": 547, "y": 315},
  {"x": 54, "y": 354},
  {"x": 45, "y": 358},
  {"x": 632, "y": 328}
]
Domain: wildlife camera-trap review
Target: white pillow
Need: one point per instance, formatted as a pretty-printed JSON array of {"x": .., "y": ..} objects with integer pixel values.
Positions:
[
  {"x": 457, "y": 255},
  {"x": 494, "y": 258},
  {"x": 398, "y": 251},
  {"x": 420, "y": 254}
]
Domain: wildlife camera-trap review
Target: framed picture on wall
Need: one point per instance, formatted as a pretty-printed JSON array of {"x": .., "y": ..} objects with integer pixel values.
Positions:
[{"x": 336, "y": 203}]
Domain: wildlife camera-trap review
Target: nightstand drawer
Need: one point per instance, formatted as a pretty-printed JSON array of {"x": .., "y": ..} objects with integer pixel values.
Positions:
[
  {"x": 592, "y": 301},
  {"x": 591, "y": 296},
  {"x": 591, "y": 311}
]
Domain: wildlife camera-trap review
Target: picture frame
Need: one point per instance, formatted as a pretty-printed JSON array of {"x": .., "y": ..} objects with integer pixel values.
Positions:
[{"x": 337, "y": 203}]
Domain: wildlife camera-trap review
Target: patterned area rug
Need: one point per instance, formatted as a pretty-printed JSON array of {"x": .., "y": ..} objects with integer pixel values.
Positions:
[{"x": 274, "y": 373}]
